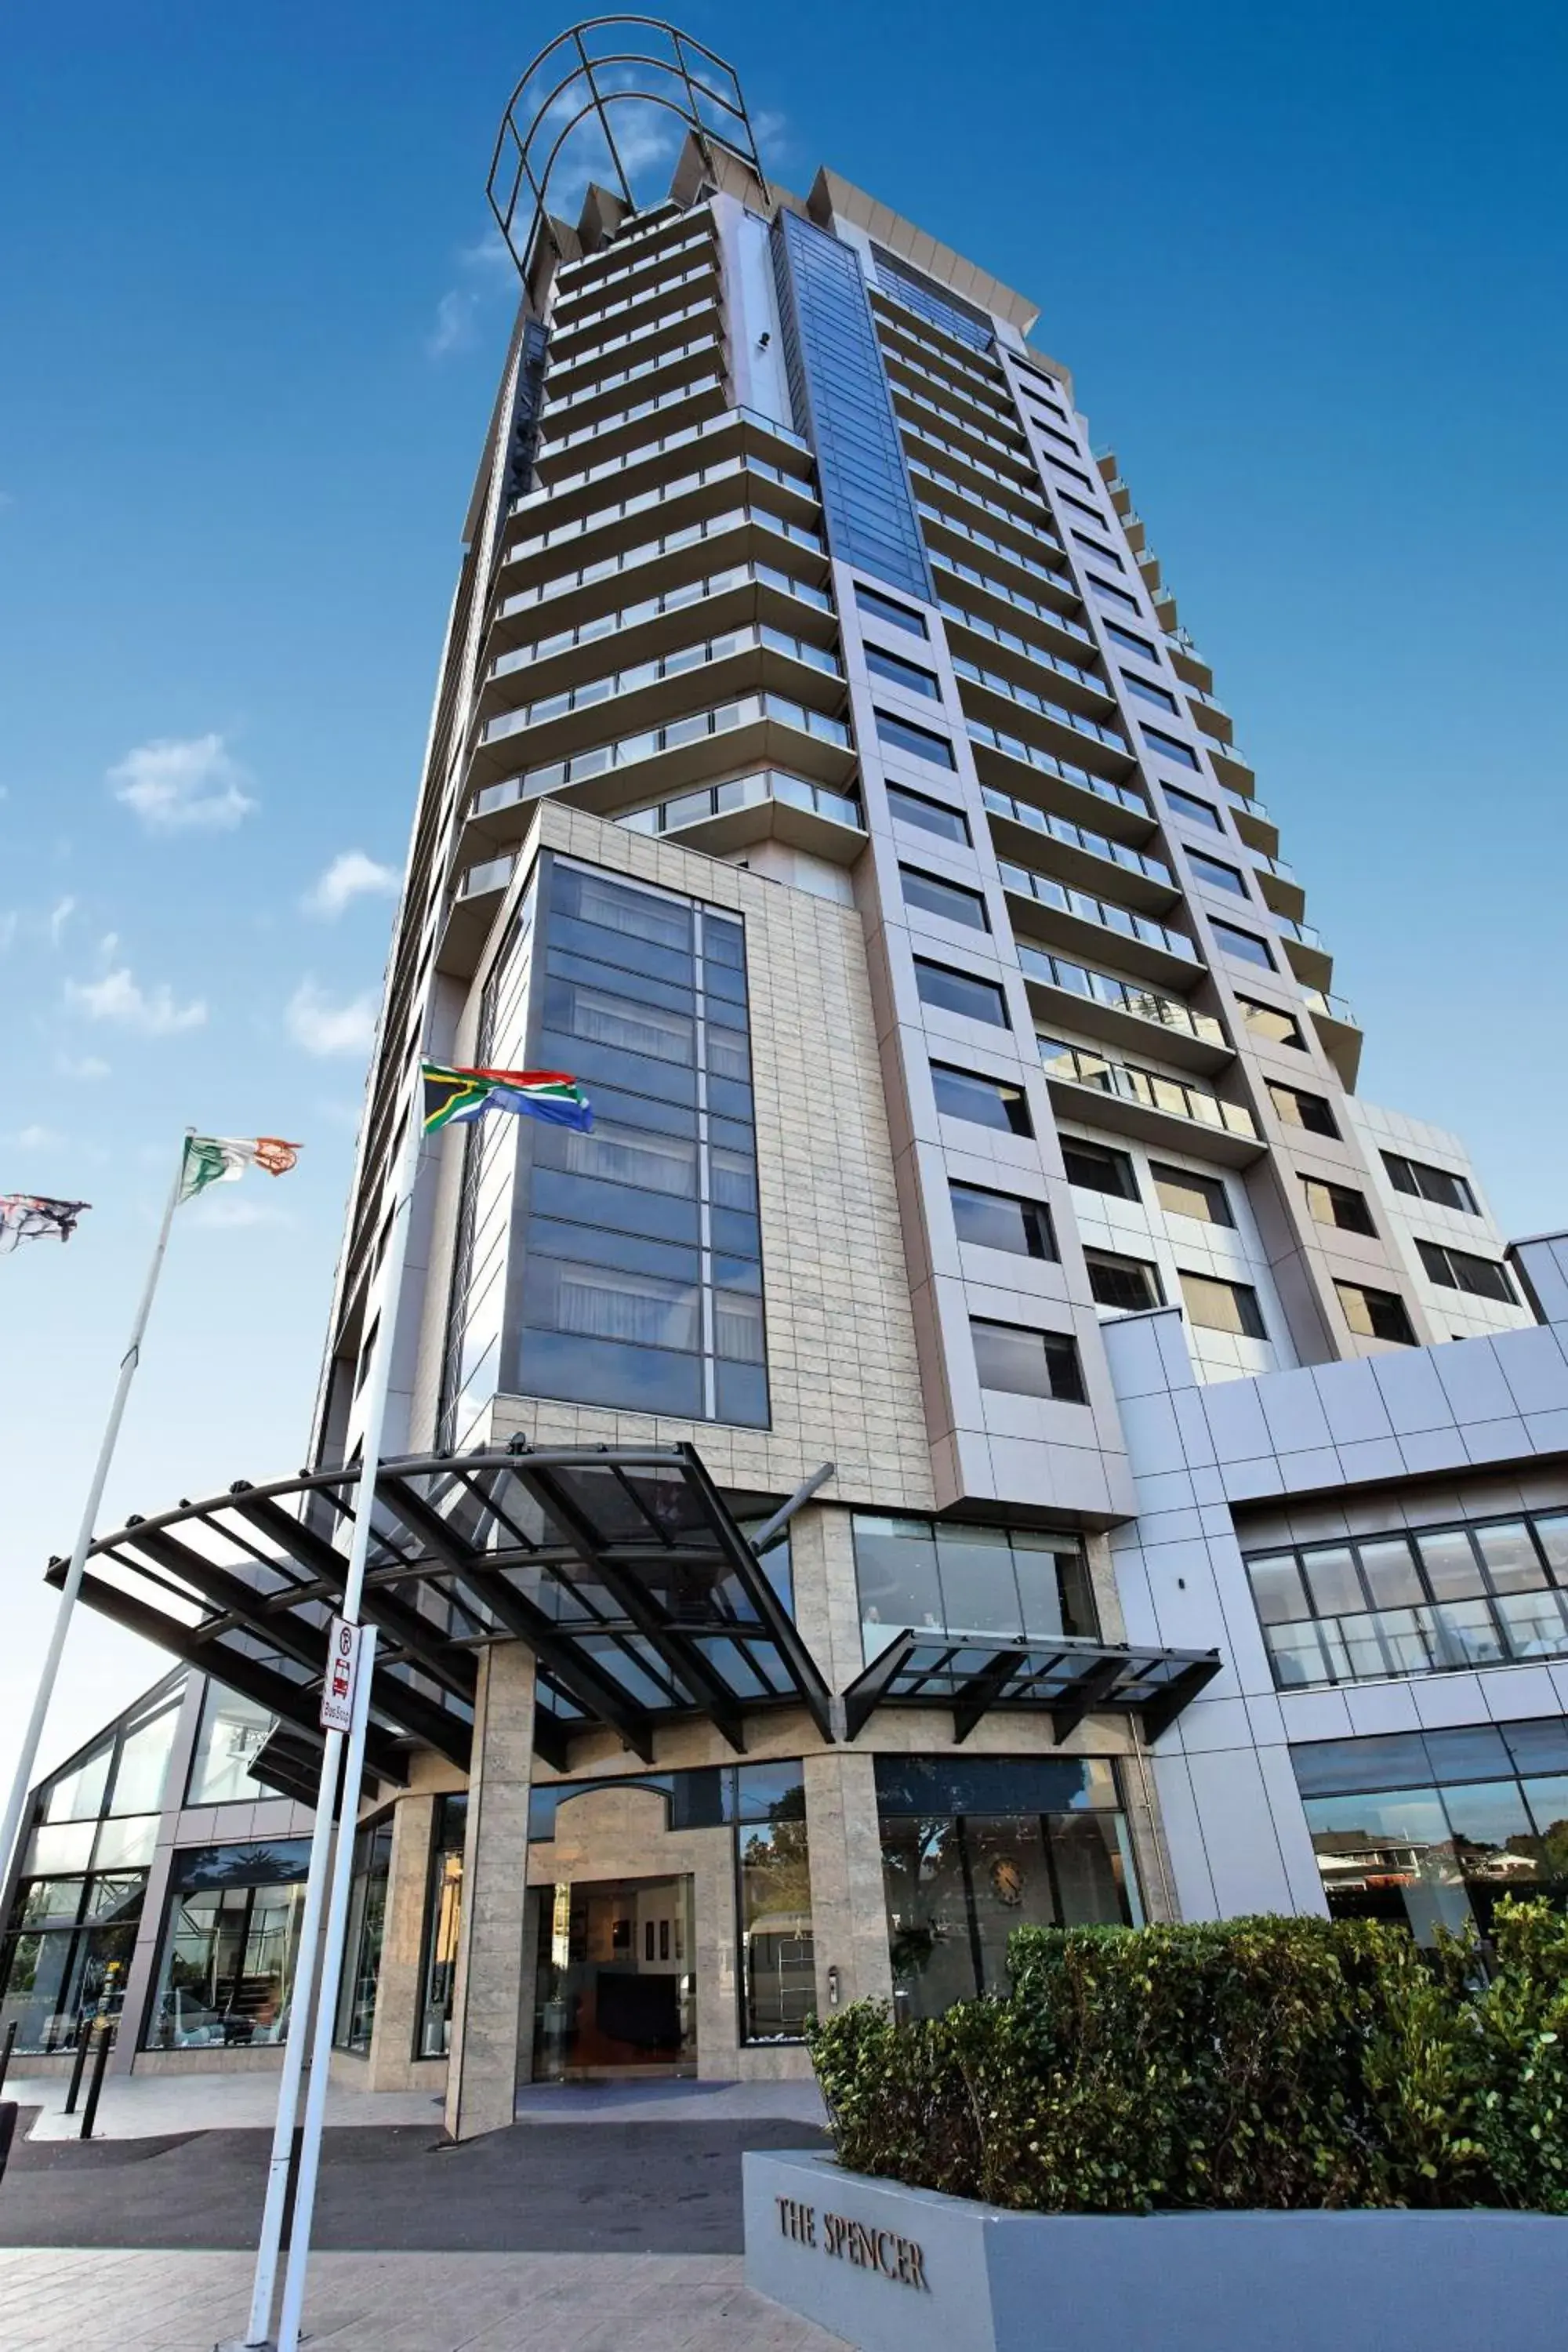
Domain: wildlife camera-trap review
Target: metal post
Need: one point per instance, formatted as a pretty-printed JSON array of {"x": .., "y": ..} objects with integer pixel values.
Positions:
[
  {"x": 95, "y": 2088},
  {"x": 5, "y": 2052},
  {"x": 72, "y": 1586},
  {"x": 82, "y": 2046},
  {"x": 266, "y": 2253}
]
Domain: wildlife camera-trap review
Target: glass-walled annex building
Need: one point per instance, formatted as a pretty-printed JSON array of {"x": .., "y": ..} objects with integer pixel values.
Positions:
[{"x": 988, "y": 1427}]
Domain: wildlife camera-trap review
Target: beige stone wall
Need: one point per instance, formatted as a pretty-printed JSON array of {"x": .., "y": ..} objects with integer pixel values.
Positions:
[{"x": 486, "y": 2015}]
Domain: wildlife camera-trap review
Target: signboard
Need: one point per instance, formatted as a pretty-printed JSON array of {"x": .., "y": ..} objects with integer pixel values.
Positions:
[{"x": 344, "y": 1644}]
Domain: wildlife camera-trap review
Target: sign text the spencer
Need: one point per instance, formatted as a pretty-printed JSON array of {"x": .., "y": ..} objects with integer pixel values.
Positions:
[{"x": 883, "y": 2250}]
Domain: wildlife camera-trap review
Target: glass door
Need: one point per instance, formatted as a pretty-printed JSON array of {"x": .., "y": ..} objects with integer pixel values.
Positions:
[{"x": 615, "y": 1988}]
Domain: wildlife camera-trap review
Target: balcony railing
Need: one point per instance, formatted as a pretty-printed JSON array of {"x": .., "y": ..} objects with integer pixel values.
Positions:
[
  {"x": 551, "y": 445},
  {"x": 1017, "y": 644},
  {"x": 1048, "y": 892},
  {"x": 1046, "y": 761},
  {"x": 674, "y": 600},
  {"x": 754, "y": 638},
  {"x": 1332, "y": 1007},
  {"x": 1122, "y": 996},
  {"x": 633, "y": 375},
  {"x": 1077, "y": 836},
  {"x": 1018, "y": 479},
  {"x": 903, "y": 324},
  {"x": 1038, "y": 514},
  {"x": 1027, "y": 700},
  {"x": 746, "y": 792},
  {"x": 661, "y": 324},
  {"x": 1057, "y": 578},
  {"x": 601, "y": 518},
  {"x": 1023, "y": 523},
  {"x": 893, "y": 352},
  {"x": 642, "y": 265},
  {"x": 687, "y": 436},
  {"x": 1174, "y": 1096},
  {"x": 627, "y": 751},
  {"x": 562, "y": 583},
  {"x": 1013, "y": 596}
]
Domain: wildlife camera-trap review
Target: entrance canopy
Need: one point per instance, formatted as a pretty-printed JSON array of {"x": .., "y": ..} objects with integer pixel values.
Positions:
[{"x": 621, "y": 1568}]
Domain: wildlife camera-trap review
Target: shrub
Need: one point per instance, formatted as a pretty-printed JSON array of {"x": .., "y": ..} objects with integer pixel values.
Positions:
[{"x": 1252, "y": 2063}]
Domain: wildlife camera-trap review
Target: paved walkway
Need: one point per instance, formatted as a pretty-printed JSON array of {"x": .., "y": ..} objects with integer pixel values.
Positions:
[{"x": 70, "y": 2302}]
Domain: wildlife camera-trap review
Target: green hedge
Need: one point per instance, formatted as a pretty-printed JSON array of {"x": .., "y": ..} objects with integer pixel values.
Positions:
[{"x": 1256, "y": 2063}]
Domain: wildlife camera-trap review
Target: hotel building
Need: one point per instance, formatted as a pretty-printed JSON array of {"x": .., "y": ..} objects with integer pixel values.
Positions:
[{"x": 989, "y": 1426}]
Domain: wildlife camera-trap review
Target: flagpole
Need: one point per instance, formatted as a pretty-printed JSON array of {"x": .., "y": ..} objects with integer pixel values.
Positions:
[
  {"x": 322, "y": 1856},
  {"x": 22, "y": 1781}
]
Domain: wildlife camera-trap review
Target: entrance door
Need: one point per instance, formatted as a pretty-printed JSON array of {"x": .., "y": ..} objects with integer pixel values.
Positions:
[{"x": 616, "y": 1994}]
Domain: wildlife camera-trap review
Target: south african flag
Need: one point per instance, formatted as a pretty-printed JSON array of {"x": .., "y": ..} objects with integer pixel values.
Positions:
[{"x": 453, "y": 1096}]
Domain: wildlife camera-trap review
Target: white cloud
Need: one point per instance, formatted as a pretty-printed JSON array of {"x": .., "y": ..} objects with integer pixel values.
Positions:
[
  {"x": 350, "y": 876},
  {"x": 61, "y": 914},
  {"x": 322, "y": 1027},
  {"x": 183, "y": 785},
  {"x": 117, "y": 998},
  {"x": 454, "y": 326},
  {"x": 81, "y": 1065},
  {"x": 34, "y": 1138}
]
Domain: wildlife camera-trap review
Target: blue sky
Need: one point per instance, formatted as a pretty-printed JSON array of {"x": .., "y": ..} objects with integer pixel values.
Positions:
[{"x": 1307, "y": 266}]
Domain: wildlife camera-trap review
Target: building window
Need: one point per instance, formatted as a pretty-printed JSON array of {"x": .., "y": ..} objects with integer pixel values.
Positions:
[
  {"x": 908, "y": 675},
  {"x": 1147, "y": 692},
  {"x": 1095, "y": 1167},
  {"x": 1216, "y": 874},
  {"x": 948, "y": 899},
  {"x": 1337, "y": 1204},
  {"x": 67, "y": 1955},
  {"x": 226, "y": 1971},
  {"x": 639, "y": 1283},
  {"x": 1444, "y": 1597},
  {"x": 1434, "y": 1184},
  {"x": 1429, "y": 1829},
  {"x": 1026, "y": 1363},
  {"x": 234, "y": 1731},
  {"x": 974, "y": 1847},
  {"x": 443, "y": 1922},
  {"x": 901, "y": 735},
  {"x": 1268, "y": 1021},
  {"x": 913, "y": 808},
  {"x": 1483, "y": 1277},
  {"x": 984, "y": 1102},
  {"x": 1294, "y": 1108},
  {"x": 1167, "y": 748},
  {"x": 1073, "y": 475},
  {"x": 1245, "y": 946},
  {"x": 1128, "y": 1284},
  {"x": 1215, "y": 1305},
  {"x": 1110, "y": 594},
  {"x": 1184, "y": 1194},
  {"x": 1096, "y": 547},
  {"x": 1000, "y": 1221},
  {"x": 1005, "y": 1583},
  {"x": 961, "y": 992},
  {"x": 773, "y": 1888},
  {"x": 882, "y": 608},
  {"x": 1131, "y": 644},
  {"x": 1192, "y": 810},
  {"x": 364, "y": 1936},
  {"x": 1375, "y": 1314}
]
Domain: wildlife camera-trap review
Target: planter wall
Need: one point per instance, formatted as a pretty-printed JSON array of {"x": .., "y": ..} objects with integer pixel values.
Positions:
[{"x": 906, "y": 2270}]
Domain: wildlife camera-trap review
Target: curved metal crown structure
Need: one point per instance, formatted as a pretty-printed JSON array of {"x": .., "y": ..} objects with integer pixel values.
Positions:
[{"x": 602, "y": 65}]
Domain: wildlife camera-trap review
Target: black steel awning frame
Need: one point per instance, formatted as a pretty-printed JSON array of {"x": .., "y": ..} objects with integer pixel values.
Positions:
[{"x": 1066, "y": 1678}]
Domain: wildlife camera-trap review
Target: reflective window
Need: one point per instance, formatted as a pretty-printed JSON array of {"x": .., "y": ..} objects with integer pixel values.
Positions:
[
  {"x": 948, "y": 899},
  {"x": 364, "y": 1936},
  {"x": 883, "y": 608},
  {"x": 234, "y": 1730},
  {"x": 1217, "y": 873},
  {"x": 1216, "y": 1305},
  {"x": 1182, "y": 1194},
  {"x": 773, "y": 1886},
  {"x": 1187, "y": 805},
  {"x": 984, "y": 1102},
  {"x": 1095, "y": 1167},
  {"x": 1425, "y": 1183},
  {"x": 1246, "y": 946},
  {"x": 443, "y": 1920},
  {"x": 1483, "y": 1277},
  {"x": 225, "y": 1969},
  {"x": 1268, "y": 1021},
  {"x": 1107, "y": 594},
  {"x": 961, "y": 992},
  {"x": 1133, "y": 644},
  {"x": 1026, "y": 1363},
  {"x": 1167, "y": 748},
  {"x": 971, "y": 1851},
  {"x": 913, "y": 808},
  {"x": 908, "y": 675},
  {"x": 902, "y": 735},
  {"x": 1148, "y": 692},
  {"x": 1000, "y": 1221},
  {"x": 1377, "y": 1314},
  {"x": 1126, "y": 1284},
  {"x": 1016, "y": 1583},
  {"x": 66, "y": 1956},
  {"x": 1296, "y": 1109},
  {"x": 1337, "y": 1204}
]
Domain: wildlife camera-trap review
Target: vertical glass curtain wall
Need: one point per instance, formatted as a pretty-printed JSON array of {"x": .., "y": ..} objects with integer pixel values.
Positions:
[
  {"x": 72, "y": 1930},
  {"x": 974, "y": 1848},
  {"x": 929, "y": 1573},
  {"x": 231, "y": 1938},
  {"x": 443, "y": 1920},
  {"x": 639, "y": 1282},
  {"x": 364, "y": 1936}
]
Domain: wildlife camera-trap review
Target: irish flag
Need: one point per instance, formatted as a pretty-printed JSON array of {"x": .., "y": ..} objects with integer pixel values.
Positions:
[
  {"x": 453, "y": 1096},
  {"x": 224, "y": 1159}
]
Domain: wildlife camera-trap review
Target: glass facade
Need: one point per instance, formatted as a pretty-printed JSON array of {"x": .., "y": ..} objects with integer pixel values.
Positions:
[
  {"x": 234, "y": 1730},
  {"x": 1428, "y": 1829},
  {"x": 72, "y": 1930},
  {"x": 443, "y": 1920},
  {"x": 1491, "y": 1592},
  {"x": 639, "y": 1282},
  {"x": 972, "y": 1848},
  {"x": 226, "y": 1966},
  {"x": 838, "y": 390},
  {"x": 365, "y": 1933},
  {"x": 1010, "y": 1582}
]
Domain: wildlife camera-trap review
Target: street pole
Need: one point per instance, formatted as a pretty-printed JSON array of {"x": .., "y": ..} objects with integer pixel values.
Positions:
[
  {"x": 23, "y": 1781},
  {"x": 266, "y": 2253}
]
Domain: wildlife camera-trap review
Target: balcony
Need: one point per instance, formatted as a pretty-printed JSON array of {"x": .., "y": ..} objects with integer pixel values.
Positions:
[
  {"x": 1085, "y": 1086},
  {"x": 1080, "y": 855},
  {"x": 758, "y": 731},
  {"x": 1109, "y": 1006},
  {"x": 1253, "y": 822},
  {"x": 671, "y": 326},
  {"x": 683, "y": 556},
  {"x": 581, "y": 298},
  {"x": 1307, "y": 956},
  {"x": 622, "y": 523},
  {"x": 1080, "y": 920},
  {"x": 658, "y": 625},
  {"x": 572, "y": 409},
  {"x": 642, "y": 306},
  {"x": 1051, "y": 575},
  {"x": 1062, "y": 783},
  {"x": 988, "y": 420},
  {"x": 1280, "y": 889},
  {"x": 1228, "y": 757},
  {"x": 648, "y": 467},
  {"x": 1027, "y": 533},
  {"x": 1056, "y": 715},
  {"x": 563, "y": 721},
  {"x": 770, "y": 806},
  {"x": 1018, "y": 474},
  {"x": 1339, "y": 1034},
  {"x": 893, "y": 320},
  {"x": 1014, "y": 599},
  {"x": 1010, "y": 641},
  {"x": 705, "y": 396},
  {"x": 918, "y": 436}
]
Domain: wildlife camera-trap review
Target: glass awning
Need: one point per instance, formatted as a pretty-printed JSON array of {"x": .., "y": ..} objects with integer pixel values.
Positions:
[{"x": 1066, "y": 1679}]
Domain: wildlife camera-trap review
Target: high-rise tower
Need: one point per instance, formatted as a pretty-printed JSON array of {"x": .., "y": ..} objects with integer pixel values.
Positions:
[{"x": 896, "y": 1476}]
